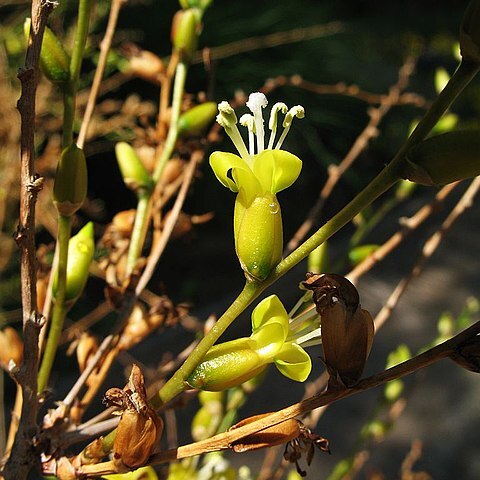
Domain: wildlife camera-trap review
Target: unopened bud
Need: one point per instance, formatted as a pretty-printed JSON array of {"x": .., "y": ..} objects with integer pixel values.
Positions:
[
  {"x": 70, "y": 187},
  {"x": 347, "y": 330},
  {"x": 81, "y": 248},
  {"x": 185, "y": 31},
  {"x": 133, "y": 171},
  {"x": 445, "y": 158},
  {"x": 54, "y": 60},
  {"x": 360, "y": 253},
  {"x": 197, "y": 119},
  {"x": 319, "y": 259},
  {"x": 470, "y": 33}
]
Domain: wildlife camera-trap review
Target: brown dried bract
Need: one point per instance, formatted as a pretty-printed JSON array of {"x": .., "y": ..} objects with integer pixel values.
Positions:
[
  {"x": 269, "y": 437},
  {"x": 140, "y": 427},
  {"x": 347, "y": 329}
]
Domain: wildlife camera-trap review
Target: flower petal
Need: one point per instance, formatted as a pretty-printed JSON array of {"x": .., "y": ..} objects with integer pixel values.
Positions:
[
  {"x": 276, "y": 169},
  {"x": 223, "y": 163},
  {"x": 293, "y": 362},
  {"x": 268, "y": 341},
  {"x": 269, "y": 310}
]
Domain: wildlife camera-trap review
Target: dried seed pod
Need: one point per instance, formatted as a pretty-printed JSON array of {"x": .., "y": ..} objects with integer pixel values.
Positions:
[
  {"x": 269, "y": 437},
  {"x": 11, "y": 347},
  {"x": 143, "y": 63},
  {"x": 140, "y": 427},
  {"x": 65, "y": 470},
  {"x": 347, "y": 330},
  {"x": 173, "y": 169},
  {"x": 136, "y": 329}
]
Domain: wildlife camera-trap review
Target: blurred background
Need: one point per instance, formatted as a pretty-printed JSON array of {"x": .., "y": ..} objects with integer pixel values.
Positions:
[{"x": 245, "y": 44}]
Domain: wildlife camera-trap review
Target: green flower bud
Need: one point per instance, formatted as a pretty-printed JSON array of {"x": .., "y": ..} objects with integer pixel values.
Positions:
[
  {"x": 185, "y": 31},
  {"x": 227, "y": 365},
  {"x": 54, "y": 60},
  {"x": 80, "y": 254},
  {"x": 470, "y": 33},
  {"x": 134, "y": 173},
  {"x": 445, "y": 158},
  {"x": 197, "y": 119},
  {"x": 258, "y": 234},
  {"x": 202, "y": 4},
  {"x": 70, "y": 187}
]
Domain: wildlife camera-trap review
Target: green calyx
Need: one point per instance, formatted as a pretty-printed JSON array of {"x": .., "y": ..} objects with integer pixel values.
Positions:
[
  {"x": 197, "y": 119},
  {"x": 445, "y": 158},
  {"x": 81, "y": 248},
  {"x": 70, "y": 186},
  {"x": 54, "y": 60},
  {"x": 134, "y": 173},
  {"x": 232, "y": 363}
]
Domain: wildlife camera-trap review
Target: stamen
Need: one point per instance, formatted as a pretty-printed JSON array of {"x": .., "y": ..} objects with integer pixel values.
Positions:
[
  {"x": 248, "y": 121},
  {"x": 257, "y": 101},
  {"x": 296, "y": 111},
  {"x": 228, "y": 120},
  {"x": 272, "y": 124}
]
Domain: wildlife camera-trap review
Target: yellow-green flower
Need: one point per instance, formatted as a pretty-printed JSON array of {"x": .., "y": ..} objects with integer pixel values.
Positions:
[
  {"x": 257, "y": 175},
  {"x": 272, "y": 341}
]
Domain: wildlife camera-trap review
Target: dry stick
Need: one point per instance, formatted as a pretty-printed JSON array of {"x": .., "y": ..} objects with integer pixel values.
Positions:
[
  {"x": 272, "y": 40},
  {"x": 341, "y": 88},
  {"x": 408, "y": 226},
  {"x": 170, "y": 222},
  {"x": 23, "y": 457},
  {"x": 224, "y": 441},
  {"x": 102, "y": 61},
  {"x": 91, "y": 365},
  {"x": 428, "y": 250},
  {"x": 335, "y": 172}
]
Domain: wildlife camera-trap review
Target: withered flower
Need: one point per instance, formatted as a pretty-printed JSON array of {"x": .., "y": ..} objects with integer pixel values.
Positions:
[
  {"x": 269, "y": 437},
  {"x": 347, "y": 329},
  {"x": 140, "y": 427},
  {"x": 304, "y": 443}
]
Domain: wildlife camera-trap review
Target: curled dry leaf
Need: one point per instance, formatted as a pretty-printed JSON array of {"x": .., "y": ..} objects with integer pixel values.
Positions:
[
  {"x": 140, "y": 427},
  {"x": 347, "y": 329},
  {"x": 269, "y": 437}
]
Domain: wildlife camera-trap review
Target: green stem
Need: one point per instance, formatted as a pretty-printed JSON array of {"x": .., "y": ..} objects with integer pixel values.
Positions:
[
  {"x": 59, "y": 309},
  {"x": 139, "y": 231},
  {"x": 70, "y": 93},
  {"x": 177, "y": 96},
  {"x": 177, "y": 383},
  {"x": 388, "y": 176}
]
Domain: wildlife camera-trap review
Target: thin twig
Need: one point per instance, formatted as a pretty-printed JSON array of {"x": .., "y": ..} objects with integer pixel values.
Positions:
[
  {"x": 23, "y": 457},
  {"x": 428, "y": 250},
  {"x": 370, "y": 131},
  {"x": 408, "y": 225},
  {"x": 102, "y": 61}
]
